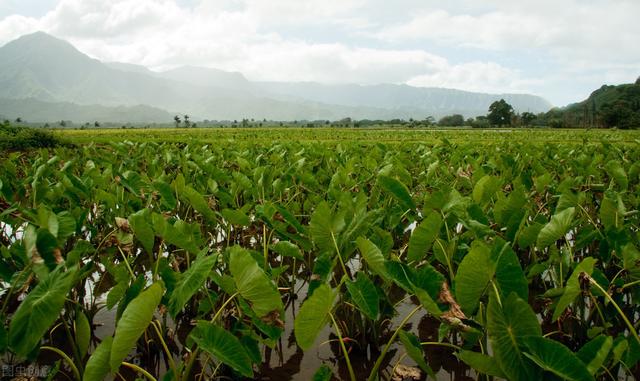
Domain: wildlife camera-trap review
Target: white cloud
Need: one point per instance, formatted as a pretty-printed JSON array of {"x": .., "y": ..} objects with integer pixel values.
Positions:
[
  {"x": 569, "y": 30},
  {"x": 476, "y": 76},
  {"x": 368, "y": 41}
]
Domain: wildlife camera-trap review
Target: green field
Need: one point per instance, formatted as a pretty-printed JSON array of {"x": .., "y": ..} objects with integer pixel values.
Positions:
[{"x": 350, "y": 254}]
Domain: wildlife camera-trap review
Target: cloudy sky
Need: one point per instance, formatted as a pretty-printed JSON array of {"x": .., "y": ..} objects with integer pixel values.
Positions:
[{"x": 559, "y": 49}]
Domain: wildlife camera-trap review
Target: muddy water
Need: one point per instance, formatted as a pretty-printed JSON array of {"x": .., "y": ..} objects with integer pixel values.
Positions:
[{"x": 286, "y": 361}]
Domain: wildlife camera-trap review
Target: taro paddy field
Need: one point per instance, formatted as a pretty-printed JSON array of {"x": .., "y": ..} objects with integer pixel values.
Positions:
[{"x": 324, "y": 254}]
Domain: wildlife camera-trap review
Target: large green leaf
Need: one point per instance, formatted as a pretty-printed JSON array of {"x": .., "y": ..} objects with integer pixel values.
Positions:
[
  {"x": 473, "y": 276},
  {"x": 253, "y": 284},
  {"x": 323, "y": 373},
  {"x": 189, "y": 282},
  {"x": 372, "y": 256},
  {"x": 595, "y": 352},
  {"x": 556, "y": 228},
  {"x": 509, "y": 275},
  {"x": 166, "y": 194},
  {"x": 140, "y": 223},
  {"x": 39, "y": 310},
  {"x": 287, "y": 249},
  {"x": 97, "y": 366},
  {"x": 507, "y": 325},
  {"x": 364, "y": 295},
  {"x": 572, "y": 289},
  {"x": 485, "y": 188},
  {"x": 412, "y": 345},
  {"x": 554, "y": 357},
  {"x": 612, "y": 211},
  {"x": 481, "y": 363},
  {"x": 83, "y": 333},
  {"x": 198, "y": 203},
  {"x": 615, "y": 170},
  {"x": 423, "y": 236},
  {"x": 325, "y": 227},
  {"x": 398, "y": 190},
  {"x": 313, "y": 316},
  {"x": 224, "y": 346},
  {"x": 134, "y": 321},
  {"x": 235, "y": 217}
]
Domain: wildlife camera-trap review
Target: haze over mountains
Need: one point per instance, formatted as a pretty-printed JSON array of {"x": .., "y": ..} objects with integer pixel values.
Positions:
[{"x": 43, "y": 78}]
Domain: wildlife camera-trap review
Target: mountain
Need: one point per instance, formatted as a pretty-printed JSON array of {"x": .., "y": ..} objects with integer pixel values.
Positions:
[
  {"x": 608, "y": 106},
  {"x": 44, "y": 68},
  {"x": 37, "y": 111},
  {"x": 405, "y": 98}
]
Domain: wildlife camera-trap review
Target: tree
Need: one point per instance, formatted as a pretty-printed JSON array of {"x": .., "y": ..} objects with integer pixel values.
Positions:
[
  {"x": 177, "y": 121},
  {"x": 187, "y": 123},
  {"x": 455, "y": 120},
  {"x": 18, "y": 120},
  {"x": 638, "y": 81},
  {"x": 527, "y": 118},
  {"x": 500, "y": 113},
  {"x": 96, "y": 124}
]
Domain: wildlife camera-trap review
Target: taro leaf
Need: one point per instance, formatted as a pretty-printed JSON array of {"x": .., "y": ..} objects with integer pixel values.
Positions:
[
  {"x": 235, "y": 217},
  {"x": 66, "y": 225},
  {"x": 253, "y": 284},
  {"x": 325, "y": 227},
  {"x": 612, "y": 211},
  {"x": 554, "y": 357},
  {"x": 473, "y": 276},
  {"x": 398, "y": 190},
  {"x": 509, "y": 275},
  {"x": 556, "y": 228},
  {"x": 372, "y": 256},
  {"x": 631, "y": 258},
  {"x": 224, "y": 346},
  {"x": 198, "y": 203},
  {"x": 485, "y": 188},
  {"x": 595, "y": 352},
  {"x": 83, "y": 333},
  {"x": 252, "y": 348},
  {"x": 97, "y": 366},
  {"x": 287, "y": 249},
  {"x": 507, "y": 325},
  {"x": 39, "y": 310},
  {"x": 323, "y": 374},
  {"x": 364, "y": 294},
  {"x": 510, "y": 206},
  {"x": 428, "y": 279},
  {"x": 617, "y": 173},
  {"x": 189, "y": 282},
  {"x": 121, "y": 276},
  {"x": 166, "y": 194},
  {"x": 47, "y": 245},
  {"x": 401, "y": 274},
  {"x": 528, "y": 234},
  {"x": 414, "y": 350},
  {"x": 572, "y": 289},
  {"x": 423, "y": 236},
  {"x": 427, "y": 302},
  {"x": 481, "y": 363},
  {"x": 134, "y": 321},
  {"x": 313, "y": 316},
  {"x": 322, "y": 268},
  {"x": 142, "y": 229}
]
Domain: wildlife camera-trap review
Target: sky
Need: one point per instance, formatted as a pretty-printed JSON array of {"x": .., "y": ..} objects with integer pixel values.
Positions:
[{"x": 561, "y": 50}]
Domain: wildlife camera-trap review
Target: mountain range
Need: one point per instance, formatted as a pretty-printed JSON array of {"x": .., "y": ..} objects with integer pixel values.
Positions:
[{"x": 43, "y": 78}]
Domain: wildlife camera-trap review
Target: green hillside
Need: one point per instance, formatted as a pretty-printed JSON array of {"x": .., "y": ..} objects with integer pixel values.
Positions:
[{"x": 609, "y": 106}]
